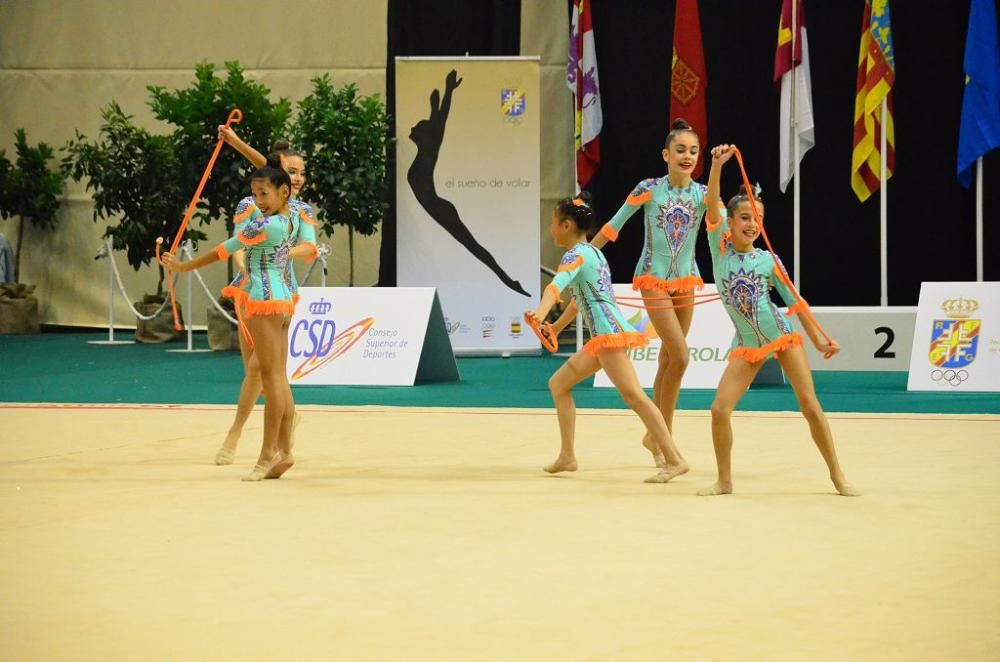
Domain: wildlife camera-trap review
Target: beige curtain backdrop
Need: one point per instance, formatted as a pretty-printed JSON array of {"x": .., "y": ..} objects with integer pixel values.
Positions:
[
  {"x": 62, "y": 61},
  {"x": 545, "y": 32}
]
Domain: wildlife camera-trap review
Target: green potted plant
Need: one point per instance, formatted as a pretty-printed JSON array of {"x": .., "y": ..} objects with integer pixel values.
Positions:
[
  {"x": 344, "y": 137},
  {"x": 30, "y": 191},
  {"x": 145, "y": 181},
  {"x": 134, "y": 176},
  {"x": 196, "y": 112}
]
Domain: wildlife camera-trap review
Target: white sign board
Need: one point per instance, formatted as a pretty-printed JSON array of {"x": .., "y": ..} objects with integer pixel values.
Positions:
[
  {"x": 708, "y": 340},
  {"x": 956, "y": 339},
  {"x": 870, "y": 338},
  {"x": 468, "y": 185},
  {"x": 392, "y": 336}
]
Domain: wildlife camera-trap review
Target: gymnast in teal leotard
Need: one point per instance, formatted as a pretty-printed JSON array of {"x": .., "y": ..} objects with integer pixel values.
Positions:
[
  {"x": 292, "y": 162},
  {"x": 585, "y": 273},
  {"x": 744, "y": 276},
  {"x": 266, "y": 236},
  {"x": 666, "y": 273}
]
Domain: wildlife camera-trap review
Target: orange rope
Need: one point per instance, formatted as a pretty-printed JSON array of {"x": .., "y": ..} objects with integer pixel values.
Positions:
[
  {"x": 234, "y": 117},
  {"x": 545, "y": 333},
  {"x": 682, "y": 295},
  {"x": 777, "y": 263},
  {"x": 715, "y": 297}
]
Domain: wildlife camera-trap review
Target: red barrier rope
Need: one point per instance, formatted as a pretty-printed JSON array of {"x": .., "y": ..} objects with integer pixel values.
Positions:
[{"x": 234, "y": 117}]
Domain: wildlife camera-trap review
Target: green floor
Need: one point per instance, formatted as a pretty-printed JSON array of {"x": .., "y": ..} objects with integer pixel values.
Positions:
[{"x": 62, "y": 367}]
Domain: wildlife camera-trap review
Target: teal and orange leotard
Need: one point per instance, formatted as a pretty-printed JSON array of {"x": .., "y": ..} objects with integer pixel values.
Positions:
[
  {"x": 744, "y": 281},
  {"x": 584, "y": 270},
  {"x": 271, "y": 277},
  {"x": 672, "y": 220}
]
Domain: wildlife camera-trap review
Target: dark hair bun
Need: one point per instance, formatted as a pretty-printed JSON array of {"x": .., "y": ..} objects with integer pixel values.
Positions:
[
  {"x": 281, "y": 144},
  {"x": 757, "y": 192},
  {"x": 680, "y": 124},
  {"x": 579, "y": 210},
  {"x": 274, "y": 160}
]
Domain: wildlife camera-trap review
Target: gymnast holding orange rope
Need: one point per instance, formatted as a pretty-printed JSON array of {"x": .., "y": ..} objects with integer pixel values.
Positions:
[
  {"x": 584, "y": 271},
  {"x": 744, "y": 276},
  {"x": 267, "y": 237}
]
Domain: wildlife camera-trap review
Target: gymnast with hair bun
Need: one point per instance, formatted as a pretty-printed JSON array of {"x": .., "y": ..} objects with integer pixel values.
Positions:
[{"x": 584, "y": 271}]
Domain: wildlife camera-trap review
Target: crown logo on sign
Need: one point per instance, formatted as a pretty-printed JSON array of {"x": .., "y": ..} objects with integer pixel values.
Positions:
[
  {"x": 320, "y": 307},
  {"x": 959, "y": 308}
]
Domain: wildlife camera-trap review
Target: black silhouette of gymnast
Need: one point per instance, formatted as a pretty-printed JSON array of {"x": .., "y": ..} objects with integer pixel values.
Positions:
[{"x": 428, "y": 135}]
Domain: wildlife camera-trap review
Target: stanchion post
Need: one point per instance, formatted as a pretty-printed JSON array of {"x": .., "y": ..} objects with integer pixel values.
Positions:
[
  {"x": 105, "y": 252},
  {"x": 189, "y": 324}
]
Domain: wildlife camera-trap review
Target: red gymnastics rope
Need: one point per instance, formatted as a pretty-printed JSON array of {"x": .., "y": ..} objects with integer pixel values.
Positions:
[
  {"x": 707, "y": 297},
  {"x": 710, "y": 298},
  {"x": 234, "y": 117},
  {"x": 683, "y": 295},
  {"x": 777, "y": 263},
  {"x": 545, "y": 333}
]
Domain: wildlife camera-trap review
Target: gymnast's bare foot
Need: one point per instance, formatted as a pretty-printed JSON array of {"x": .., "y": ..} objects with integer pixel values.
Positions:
[
  {"x": 845, "y": 489},
  {"x": 720, "y": 487},
  {"x": 650, "y": 445},
  {"x": 668, "y": 473},
  {"x": 282, "y": 463},
  {"x": 228, "y": 449},
  {"x": 258, "y": 473},
  {"x": 561, "y": 464}
]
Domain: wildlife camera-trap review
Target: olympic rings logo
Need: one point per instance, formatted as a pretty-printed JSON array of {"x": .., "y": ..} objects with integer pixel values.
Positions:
[{"x": 950, "y": 377}]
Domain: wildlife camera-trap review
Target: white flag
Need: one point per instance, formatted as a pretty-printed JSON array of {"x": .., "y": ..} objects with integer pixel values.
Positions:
[{"x": 785, "y": 61}]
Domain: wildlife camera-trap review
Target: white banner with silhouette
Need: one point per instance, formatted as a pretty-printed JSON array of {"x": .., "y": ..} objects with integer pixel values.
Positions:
[{"x": 467, "y": 194}]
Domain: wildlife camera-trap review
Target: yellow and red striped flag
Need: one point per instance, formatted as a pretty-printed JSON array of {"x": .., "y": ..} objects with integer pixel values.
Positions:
[{"x": 876, "y": 75}]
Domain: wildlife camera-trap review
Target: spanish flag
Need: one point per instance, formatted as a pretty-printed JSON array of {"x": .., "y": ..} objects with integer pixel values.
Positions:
[
  {"x": 876, "y": 75},
  {"x": 688, "y": 79}
]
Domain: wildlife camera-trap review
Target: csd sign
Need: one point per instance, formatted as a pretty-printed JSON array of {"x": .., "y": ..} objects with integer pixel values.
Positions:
[{"x": 312, "y": 338}]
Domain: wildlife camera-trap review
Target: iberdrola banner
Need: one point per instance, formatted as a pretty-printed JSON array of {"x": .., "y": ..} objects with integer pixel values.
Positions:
[{"x": 467, "y": 194}]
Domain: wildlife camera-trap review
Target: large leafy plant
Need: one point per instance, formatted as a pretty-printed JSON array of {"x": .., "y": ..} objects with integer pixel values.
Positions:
[
  {"x": 146, "y": 180},
  {"x": 29, "y": 189},
  {"x": 196, "y": 113},
  {"x": 134, "y": 176},
  {"x": 344, "y": 137}
]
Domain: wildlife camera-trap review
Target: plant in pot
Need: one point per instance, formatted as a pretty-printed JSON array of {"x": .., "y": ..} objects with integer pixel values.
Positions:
[
  {"x": 31, "y": 192},
  {"x": 196, "y": 112},
  {"x": 134, "y": 176},
  {"x": 344, "y": 137}
]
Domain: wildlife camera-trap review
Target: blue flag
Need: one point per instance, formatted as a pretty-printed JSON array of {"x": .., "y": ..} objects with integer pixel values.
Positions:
[{"x": 980, "y": 129}]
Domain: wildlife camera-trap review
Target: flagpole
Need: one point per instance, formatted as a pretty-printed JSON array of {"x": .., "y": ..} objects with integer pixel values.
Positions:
[
  {"x": 979, "y": 219},
  {"x": 578, "y": 127},
  {"x": 883, "y": 186},
  {"x": 796, "y": 228}
]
